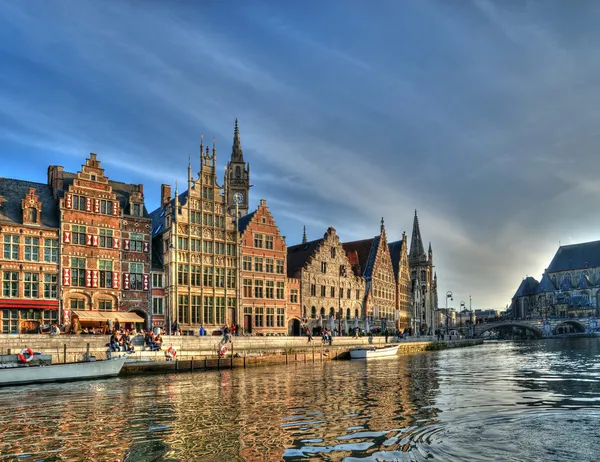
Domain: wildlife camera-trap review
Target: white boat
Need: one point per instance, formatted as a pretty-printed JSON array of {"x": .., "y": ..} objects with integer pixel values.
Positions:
[
  {"x": 374, "y": 351},
  {"x": 26, "y": 374}
]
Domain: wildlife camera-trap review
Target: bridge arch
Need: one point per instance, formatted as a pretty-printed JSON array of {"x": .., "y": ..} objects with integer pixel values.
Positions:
[
  {"x": 576, "y": 325},
  {"x": 480, "y": 329}
]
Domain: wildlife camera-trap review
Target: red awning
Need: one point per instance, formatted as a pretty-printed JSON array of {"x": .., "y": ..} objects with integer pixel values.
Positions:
[{"x": 30, "y": 304}]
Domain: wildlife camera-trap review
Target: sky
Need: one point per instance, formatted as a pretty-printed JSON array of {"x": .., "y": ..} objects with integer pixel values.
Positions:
[{"x": 481, "y": 115}]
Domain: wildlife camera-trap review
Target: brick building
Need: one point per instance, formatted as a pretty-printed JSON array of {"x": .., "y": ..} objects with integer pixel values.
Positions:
[
  {"x": 399, "y": 255},
  {"x": 198, "y": 243},
  {"x": 158, "y": 288},
  {"x": 29, "y": 229},
  {"x": 263, "y": 275},
  {"x": 371, "y": 260},
  {"x": 329, "y": 290},
  {"x": 104, "y": 248}
]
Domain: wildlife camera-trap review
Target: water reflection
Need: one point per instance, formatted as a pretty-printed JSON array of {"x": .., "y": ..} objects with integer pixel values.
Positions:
[{"x": 519, "y": 401}]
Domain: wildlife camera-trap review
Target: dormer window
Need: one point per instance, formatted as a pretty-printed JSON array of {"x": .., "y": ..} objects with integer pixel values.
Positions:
[
  {"x": 93, "y": 177},
  {"x": 31, "y": 207},
  {"x": 31, "y": 215},
  {"x": 137, "y": 210}
]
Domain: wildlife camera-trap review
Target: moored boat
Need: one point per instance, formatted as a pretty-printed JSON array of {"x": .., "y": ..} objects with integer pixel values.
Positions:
[
  {"x": 374, "y": 351},
  {"x": 16, "y": 374}
]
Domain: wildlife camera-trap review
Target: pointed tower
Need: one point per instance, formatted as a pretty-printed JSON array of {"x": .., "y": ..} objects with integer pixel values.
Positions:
[
  {"x": 417, "y": 251},
  {"x": 238, "y": 177},
  {"x": 304, "y": 240},
  {"x": 430, "y": 255}
]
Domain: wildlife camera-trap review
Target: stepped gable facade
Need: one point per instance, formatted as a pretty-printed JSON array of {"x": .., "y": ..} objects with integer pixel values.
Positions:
[
  {"x": 399, "y": 256},
  {"x": 570, "y": 286},
  {"x": 264, "y": 282},
  {"x": 29, "y": 230},
  {"x": 199, "y": 245},
  {"x": 375, "y": 267},
  {"x": 104, "y": 245},
  {"x": 328, "y": 286}
]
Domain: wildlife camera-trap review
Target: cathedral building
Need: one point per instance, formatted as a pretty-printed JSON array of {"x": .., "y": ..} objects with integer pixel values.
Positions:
[
  {"x": 423, "y": 284},
  {"x": 104, "y": 246},
  {"x": 399, "y": 256},
  {"x": 29, "y": 227},
  {"x": 197, "y": 240},
  {"x": 329, "y": 289},
  {"x": 373, "y": 263}
]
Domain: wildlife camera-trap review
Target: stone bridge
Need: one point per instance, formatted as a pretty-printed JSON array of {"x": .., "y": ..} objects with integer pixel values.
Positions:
[{"x": 541, "y": 327}]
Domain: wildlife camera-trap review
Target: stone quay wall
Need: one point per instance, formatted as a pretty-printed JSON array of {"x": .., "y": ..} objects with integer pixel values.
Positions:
[{"x": 75, "y": 346}]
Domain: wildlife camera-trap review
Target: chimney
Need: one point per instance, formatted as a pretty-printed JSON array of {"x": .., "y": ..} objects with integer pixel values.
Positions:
[
  {"x": 263, "y": 203},
  {"x": 165, "y": 194},
  {"x": 141, "y": 188}
]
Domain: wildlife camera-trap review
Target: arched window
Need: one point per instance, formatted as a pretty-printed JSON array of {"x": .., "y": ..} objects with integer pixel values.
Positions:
[
  {"x": 567, "y": 280},
  {"x": 356, "y": 313},
  {"x": 331, "y": 311},
  {"x": 348, "y": 313},
  {"x": 313, "y": 312},
  {"x": 322, "y": 311},
  {"x": 238, "y": 172}
]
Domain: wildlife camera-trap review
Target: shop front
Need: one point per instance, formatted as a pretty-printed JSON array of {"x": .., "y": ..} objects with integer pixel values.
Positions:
[
  {"x": 99, "y": 321},
  {"x": 27, "y": 316}
]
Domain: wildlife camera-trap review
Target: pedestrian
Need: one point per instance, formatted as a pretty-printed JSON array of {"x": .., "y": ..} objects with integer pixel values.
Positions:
[{"x": 309, "y": 335}]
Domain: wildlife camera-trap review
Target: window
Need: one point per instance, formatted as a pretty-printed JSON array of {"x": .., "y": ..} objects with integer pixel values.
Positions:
[
  {"x": 258, "y": 241},
  {"x": 247, "y": 263},
  {"x": 208, "y": 310},
  {"x": 105, "y": 305},
  {"x": 247, "y": 310},
  {"x": 323, "y": 291},
  {"x": 10, "y": 284},
  {"x": 77, "y": 304},
  {"x": 313, "y": 290},
  {"x": 258, "y": 317},
  {"x": 11, "y": 247},
  {"x": 208, "y": 247},
  {"x": 195, "y": 217},
  {"x": 333, "y": 252},
  {"x": 230, "y": 249},
  {"x": 106, "y": 207},
  {"x": 280, "y": 317},
  {"x": 208, "y": 276},
  {"x": 280, "y": 291},
  {"x": 157, "y": 280},
  {"x": 348, "y": 293},
  {"x": 247, "y": 288},
  {"x": 231, "y": 302},
  {"x": 50, "y": 283},
  {"x": 357, "y": 294},
  {"x": 207, "y": 193},
  {"x": 220, "y": 309},
  {"x": 279, "y": 266},
  {"x": 294, "y": 296},
  {"x": 219, "y": 248},
  {"x": 258, "y": 264},
  {"x": 219, "y": 277},
  {"x": 270, "y": 289},
  {"x": 182, "y": 309},
  {"x": 269, "y": 265},
  {"x": 137, "y": 210},
  {"x": 196, "y": 309},
  {"x": 182, "y": 275},
  {"x": 78, "y": 272},
  {"x": 323, "y": 267},
  {"x": 196, "y": 276},
  {"x": 32, "y": 248},
  {"x": 106, "y": 238},
  {"x": 136, "y": 242},
  {"x": 270, "y": 317},
  {"x": 332, "y": 292},
  {"x": 258, "y": 289},
  {"x": 341, "y": 292},
  {"x": 313, "y": 312},
  {"x": 136, "y": 271},
  {"x": 157, "y": 305},
  {"x": 269, "y": 242},
  {"x": 230, "y": 279},
  {"x": 207, "y": 219},
  {"x": 182, "y": 243},
  {"x": 195, "y": 245},
  {"x": 50, "y": 250},
  {"x": 79, "y": 202},
  {"x": 78, "y": 235},
  {"x": 106, "y": 274}
]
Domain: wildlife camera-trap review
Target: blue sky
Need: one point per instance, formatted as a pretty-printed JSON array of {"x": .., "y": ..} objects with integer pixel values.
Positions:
[{"x": 481, "y": 115}]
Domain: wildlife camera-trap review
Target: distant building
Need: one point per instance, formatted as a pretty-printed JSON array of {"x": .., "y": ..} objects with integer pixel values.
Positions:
[
  {"x": 570, "y": 286},
  {"x": 487, "y": 315},
  {"x": 399, "y": 255}
]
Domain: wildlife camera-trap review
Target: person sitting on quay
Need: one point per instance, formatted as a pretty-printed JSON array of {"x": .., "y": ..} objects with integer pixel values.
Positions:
[
  {"x": 55, "y": 330},
  {"x": 157, "y": 343},
  {"x": 114, "y": 342}
]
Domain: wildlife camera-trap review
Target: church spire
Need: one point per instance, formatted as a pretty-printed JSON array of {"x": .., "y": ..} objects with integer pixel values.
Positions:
[
  {"x": 304, "y": 240},
  {"x": 236, "y": 150},
  {"x": 382, "y": 225},
  {"x": 416, "y": 243}
]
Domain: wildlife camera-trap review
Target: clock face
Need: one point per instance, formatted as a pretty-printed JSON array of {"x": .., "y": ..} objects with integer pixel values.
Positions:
[{"x": 238, "y": 198}]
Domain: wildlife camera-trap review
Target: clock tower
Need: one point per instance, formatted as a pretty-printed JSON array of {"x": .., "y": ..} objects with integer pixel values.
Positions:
[{"x": 238, "y": 177}]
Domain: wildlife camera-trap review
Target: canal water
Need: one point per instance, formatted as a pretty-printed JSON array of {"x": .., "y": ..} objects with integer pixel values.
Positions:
[{"x": 536, "y": 400}]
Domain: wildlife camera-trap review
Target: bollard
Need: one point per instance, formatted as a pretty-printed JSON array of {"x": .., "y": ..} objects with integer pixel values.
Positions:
[
  {"x": 65, "y": 353},
  {"x": 87, "y": 352},
  {"x": 244, "y": 360},
  {"x": 205, "y": 362},
  {"x": 192, "y": 365}
]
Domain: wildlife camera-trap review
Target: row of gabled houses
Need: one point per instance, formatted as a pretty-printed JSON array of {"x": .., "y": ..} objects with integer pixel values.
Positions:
[
  {"x": 83, "y": 251},
  {"x": 569, "y": 287}
]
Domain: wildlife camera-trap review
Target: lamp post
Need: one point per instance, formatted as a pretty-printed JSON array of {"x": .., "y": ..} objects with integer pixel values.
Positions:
[
  {"x": 462, "y": 312},
  {"x": 341, "y": 272},
  {"x": 448, "y": 296}
]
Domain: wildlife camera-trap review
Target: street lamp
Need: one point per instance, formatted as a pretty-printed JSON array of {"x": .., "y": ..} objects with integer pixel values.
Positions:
[
  {"x": 448, "y": 296},
  {"x": 462, "y": 312}
]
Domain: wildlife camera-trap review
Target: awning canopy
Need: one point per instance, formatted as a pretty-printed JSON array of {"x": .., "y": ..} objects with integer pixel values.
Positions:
[{"x": 104, "y": 316}]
